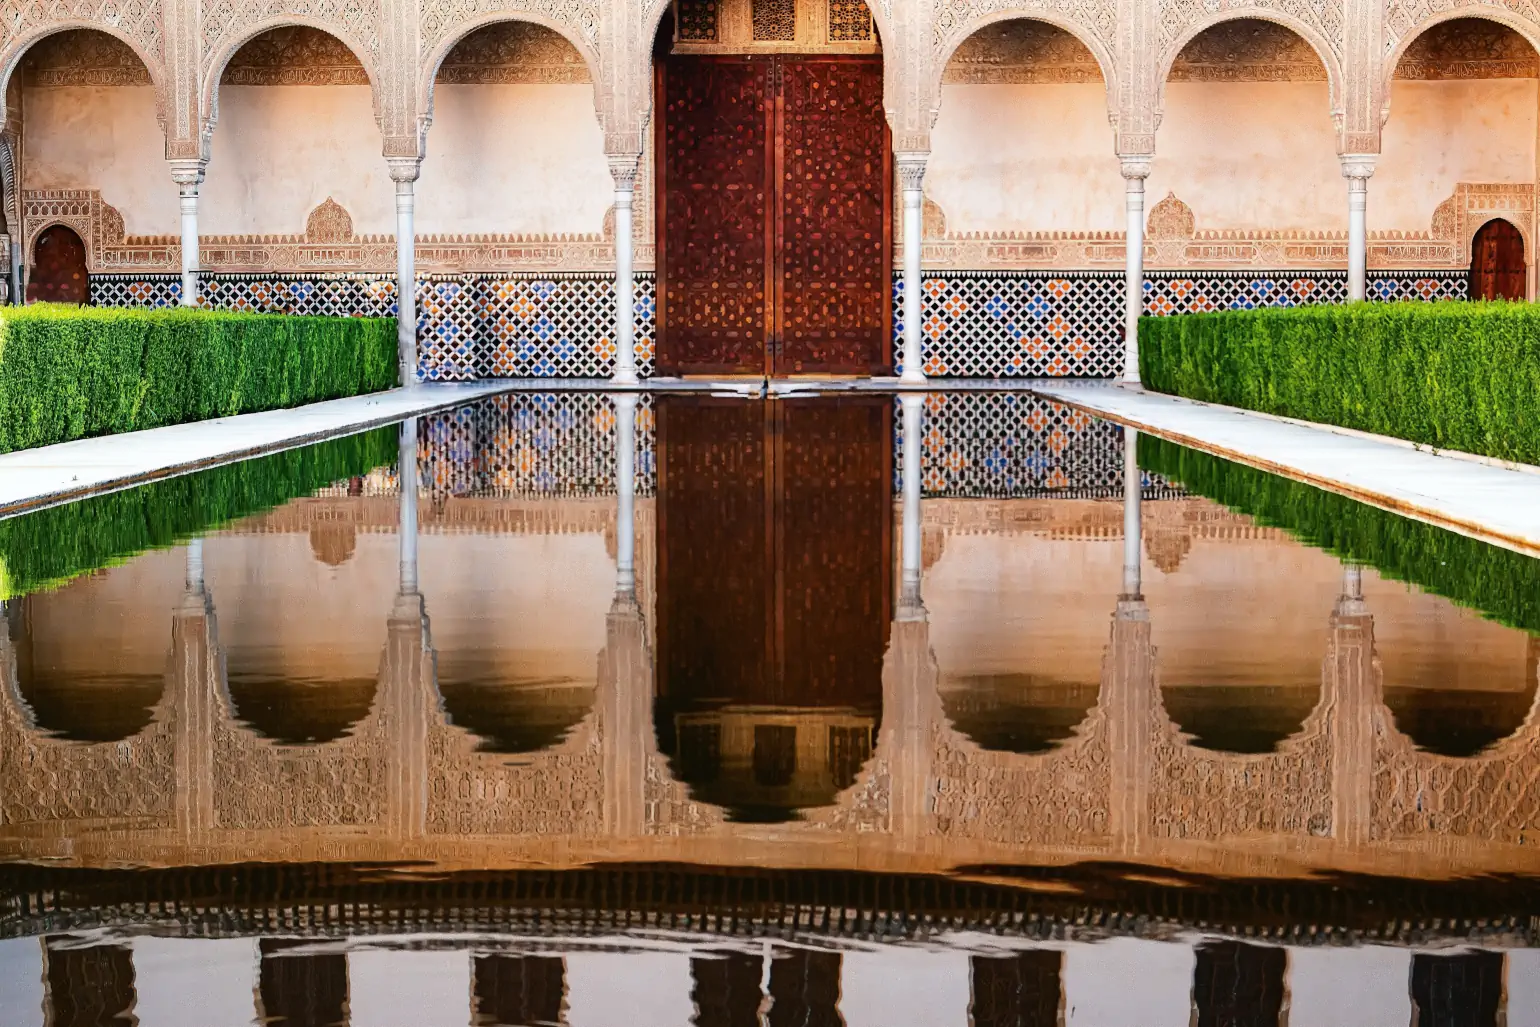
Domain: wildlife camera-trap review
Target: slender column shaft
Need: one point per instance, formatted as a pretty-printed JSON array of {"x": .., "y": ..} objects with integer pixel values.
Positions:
[
  {"x": 1357, "y": 169},
  {"x": 911, "y": 174},
  {"x": 910, "y": 601},
  {"x": 623, "y": 170},
  {"x": 406, "y": 477},
  {"x": 406, "y": 280},
  {"x": 1133, "y": 496},
  {"x": 625, "y": 490},
  {"x": 1135, "y": 171},
  {"x": 188, "y": 175}
]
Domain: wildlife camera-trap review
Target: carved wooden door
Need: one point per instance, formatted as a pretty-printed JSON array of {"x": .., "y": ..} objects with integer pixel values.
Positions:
[
  {"x": 773, "y": 220},
  {"x": 1497, "y": 269}
]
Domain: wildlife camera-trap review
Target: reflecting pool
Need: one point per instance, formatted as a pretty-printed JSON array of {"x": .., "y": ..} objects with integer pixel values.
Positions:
[{"x": 962, "y": 708}]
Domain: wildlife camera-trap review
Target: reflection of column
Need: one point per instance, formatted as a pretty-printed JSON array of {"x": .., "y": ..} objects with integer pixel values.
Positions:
[
  {"x": 408, "y": 688},
  {"x": 623, "y": 169},
  {"x": 188, "y": 175},
  {"x": 1132, "y": 527},
  {"x": 194, "y": 669},
  {"x": 1135, "y": 171},
  {"x": 1350, "y": 688},
  {"x": 911, "y": 176},
  {"x": 404, "y": 172},
  {"x": 1357, "y": 168},
  {"x": 910, "y": 604},
  {"x": 625, "y": 493},
  {"x": 625, "y": 665},
  {"x": 406, "y": 478}
]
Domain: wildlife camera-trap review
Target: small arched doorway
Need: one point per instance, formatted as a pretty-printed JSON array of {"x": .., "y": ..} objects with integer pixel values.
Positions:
[
  {"x": 58, "y": 267},
  {"x": 1497, "y": 269}
]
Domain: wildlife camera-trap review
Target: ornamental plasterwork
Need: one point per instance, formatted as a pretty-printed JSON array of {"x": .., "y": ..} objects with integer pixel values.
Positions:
[
  {"x": 294, "y": 55},
  {"x": 82, "y": 59},
  {"x": 784, "y": 26},
  {"x": 1017, "y": 52},
  {"x": 439, "y": 20},
  {"x": 1467, "y": 48},
  {"x": 1402, "y": 17},
  {"x": 138, "y": 21},
  {"x": 513, "y": 52}
]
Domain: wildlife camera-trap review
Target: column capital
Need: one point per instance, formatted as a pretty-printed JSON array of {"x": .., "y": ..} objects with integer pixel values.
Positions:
[
  {"x": 911, "y": 168},
  {"x": 187, "y": 171},
  {"x": 1136, "y": 166},
  {"x": 1358, "y": 166},
  {"x": 624, "y": 168},
  {"x": 404, "y": 169}
]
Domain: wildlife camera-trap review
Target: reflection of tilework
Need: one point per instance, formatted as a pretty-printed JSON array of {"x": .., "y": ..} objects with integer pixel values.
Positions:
[{"x": 528, "y": 444}]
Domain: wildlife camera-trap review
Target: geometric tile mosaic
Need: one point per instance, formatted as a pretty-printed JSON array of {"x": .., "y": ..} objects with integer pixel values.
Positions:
[{"x": 977, "y": 324}]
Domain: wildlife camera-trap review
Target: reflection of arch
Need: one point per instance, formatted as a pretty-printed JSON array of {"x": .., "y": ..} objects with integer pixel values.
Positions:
[
  {"x": 1018, "y": 713},
  {"x": 464, "y": 31},
  {"x": 1497, "y": 266},
  {"x": 59, "y": 266},
  {"x": 1103, "y": 57},
  {"x": 1318, "y": 43},
  {"x": 511, "y": 717},
  {"x": 1464, "y": 724},
  {"x": 1241, "y": 719},
  {"x": 292, "y": 710},
  {"x": 216, "y": 68},
  {"x": 332, "y": 542}
]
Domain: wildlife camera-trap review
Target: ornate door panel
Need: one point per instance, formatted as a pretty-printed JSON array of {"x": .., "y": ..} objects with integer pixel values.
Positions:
[
  {"x": 1497, "y": 269},
  {"x": 774, "y": 229},
  {"x": 713, "y": 214},
  {"x": 836, "y": 248}
]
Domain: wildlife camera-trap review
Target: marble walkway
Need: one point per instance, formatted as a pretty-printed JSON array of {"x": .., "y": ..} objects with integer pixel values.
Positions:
[
  {"x": 47, "y": 475},
  {"x": 1495, "y": 502}
]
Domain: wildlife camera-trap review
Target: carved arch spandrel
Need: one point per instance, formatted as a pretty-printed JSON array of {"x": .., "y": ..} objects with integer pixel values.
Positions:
[
  {"x": 1326, "y": 42},
  {"x": 952, "y": 30},
  {"x": 219, "y": 52},
  {"x": 451, "y": 35},
  {"x": 15, "y": 48}
]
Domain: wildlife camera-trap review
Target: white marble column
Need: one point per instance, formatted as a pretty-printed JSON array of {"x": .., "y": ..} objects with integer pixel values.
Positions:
[
  {"x": 406, "y": 477},
  {"x": 188, "y": 175},
  {"x": 623, "y": 170},
  {"x": 625, "y": 494},
  {"x": 911, "y": 177},
  {"x": 910, "y": 604},
  {"x": 1135, "y": 171},
  {"x": 404, "y": 172},
  {"x": 1133, "y": 496},
  {"x": 1357, "y": 168}
]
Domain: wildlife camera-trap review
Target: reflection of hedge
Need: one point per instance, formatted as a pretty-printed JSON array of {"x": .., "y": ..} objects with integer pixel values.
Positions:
[
  {"x": 1498, "y": 582},
  {"x": 71, "y": 372},
  {"x": 47, "y": 548},
  {"x": 1453, "y": 375}
]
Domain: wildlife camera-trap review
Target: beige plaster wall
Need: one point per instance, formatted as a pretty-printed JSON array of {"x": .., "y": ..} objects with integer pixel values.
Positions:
[
  {"x": 514, "y": 158},
  {"x": 1441, "y": 133},
  {"x": 106, "y": 138},
  {"x": 1025, "y": 158},
  {"x": 280, "y": 151},
  {"x": 1249, "y": 155}
]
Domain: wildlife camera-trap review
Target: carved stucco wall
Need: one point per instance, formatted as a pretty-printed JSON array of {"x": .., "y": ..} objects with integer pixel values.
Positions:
[{"x": 395, "y": 48}]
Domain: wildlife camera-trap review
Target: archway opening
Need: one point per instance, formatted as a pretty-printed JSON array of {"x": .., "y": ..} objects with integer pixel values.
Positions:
[
  {"x": 59, "y": 271},
  {"x": 1497, "y": 267},
  {"x": 1443, "y": 714},
  {"x": 773, "y": 190},
  {"x": 1025, "y": 714},
  {"x": 81, "y": 124},
  {"x": 296, "y": 155},
  {"x": 1458, "y": 151},
  {"x": 509, "y": 717},
  {"x": 1246, "y": 145}
]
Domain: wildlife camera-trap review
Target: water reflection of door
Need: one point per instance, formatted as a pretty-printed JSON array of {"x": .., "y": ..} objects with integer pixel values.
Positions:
[
  {"x": 774, "y": 595},
  {"x": 773, "y": 214}
]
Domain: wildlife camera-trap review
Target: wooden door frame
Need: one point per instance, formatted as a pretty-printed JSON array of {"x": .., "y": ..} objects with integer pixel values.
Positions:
[{"x": 775, "y": 248}]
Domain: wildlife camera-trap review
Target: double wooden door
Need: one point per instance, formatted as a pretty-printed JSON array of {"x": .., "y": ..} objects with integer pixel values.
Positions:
[
  {"x": 774, "y": 216},
  {"x": 1497, "y": 269}
]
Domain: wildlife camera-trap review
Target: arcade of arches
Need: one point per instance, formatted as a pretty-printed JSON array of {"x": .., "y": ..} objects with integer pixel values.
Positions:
[{"x": 717, "y": 186}]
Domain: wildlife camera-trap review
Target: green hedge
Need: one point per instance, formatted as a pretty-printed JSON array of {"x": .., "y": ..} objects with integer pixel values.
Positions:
[
  {"x": 71, "y": 372},
  {"x": 48, "y": 548},
  {"x": 1499, "y": 583},
  {"x": 1460, "y": 376}
]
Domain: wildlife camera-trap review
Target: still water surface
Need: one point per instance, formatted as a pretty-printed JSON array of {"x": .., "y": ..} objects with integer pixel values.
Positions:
[{"x": 619, "y": 712}]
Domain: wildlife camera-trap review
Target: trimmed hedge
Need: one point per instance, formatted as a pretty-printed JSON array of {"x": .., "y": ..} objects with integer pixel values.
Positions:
[
  {"x": 1498, "y": 583},
  {"x": 46, "y": 549},
  {"x": 1462, "y": 376},
  {"x": 70, "y": 372}
]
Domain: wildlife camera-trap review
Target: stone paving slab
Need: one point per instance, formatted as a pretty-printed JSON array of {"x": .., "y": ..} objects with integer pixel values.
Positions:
[
  {"x": 34, "y": 478},
  {"x": 1494, "y": 503}
]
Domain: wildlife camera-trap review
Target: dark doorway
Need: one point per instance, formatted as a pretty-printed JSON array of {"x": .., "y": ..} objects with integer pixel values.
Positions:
[
  {"x": 58, "y": 268},
  {"x": 774, "y": 216},
  {"x": 309, "y": 990},
  {"x": 88, "y": 986},
  {"x": 1497, "y": 270},
  {"x": 518, "y": 991},
  {"x": 1461, "y": 990},
  {"x": 1239, "y": 985},
  {"x": 1023, "y": 990}
]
